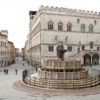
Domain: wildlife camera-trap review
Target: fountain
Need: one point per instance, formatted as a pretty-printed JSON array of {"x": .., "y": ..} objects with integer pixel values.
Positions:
[{"x": 62, "y": 74}]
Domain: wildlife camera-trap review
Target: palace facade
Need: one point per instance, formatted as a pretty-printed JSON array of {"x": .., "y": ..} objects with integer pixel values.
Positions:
[{"x": 78, "y": 30}]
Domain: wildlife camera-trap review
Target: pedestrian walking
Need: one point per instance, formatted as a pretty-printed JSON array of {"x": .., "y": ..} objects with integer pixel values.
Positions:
[
  {"x": 7, "y": 71},
  {"x": 4, "y": 71},
  {"x": 23, "y": 64},
  {"x": 16, "y": 71},
  {"x": 36, "y": 69}
]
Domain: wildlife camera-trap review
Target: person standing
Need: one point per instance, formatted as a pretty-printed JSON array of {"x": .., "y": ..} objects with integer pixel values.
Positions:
[
  {"x": 7, "y": 71},
  {"x": 16, "y": 71}
]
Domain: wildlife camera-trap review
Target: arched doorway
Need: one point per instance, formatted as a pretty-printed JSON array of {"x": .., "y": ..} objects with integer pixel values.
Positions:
[
  {"x": 95, "y": 59},
  {"x": 87, "y": 59}
]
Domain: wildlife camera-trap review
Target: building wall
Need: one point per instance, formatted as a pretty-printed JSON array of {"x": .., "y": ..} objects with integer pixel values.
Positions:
[
  {"x": 40, "y": 38},
  {"x": 10, "y": 53},
  {"x": 3, "y": 48}
]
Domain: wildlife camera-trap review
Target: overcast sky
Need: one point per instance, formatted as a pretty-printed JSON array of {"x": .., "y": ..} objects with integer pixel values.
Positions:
[{"x": 14, "y": 14}]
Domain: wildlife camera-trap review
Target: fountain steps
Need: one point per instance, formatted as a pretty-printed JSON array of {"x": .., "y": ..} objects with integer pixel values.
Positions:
[
  {"x": 62, "y": 75},
  {"x": 62, "y": 84}
]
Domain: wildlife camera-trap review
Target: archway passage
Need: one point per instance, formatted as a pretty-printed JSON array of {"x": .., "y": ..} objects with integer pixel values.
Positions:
[
  {"x": 87, "y": 59},
  {"x": 95, "y": 59}
]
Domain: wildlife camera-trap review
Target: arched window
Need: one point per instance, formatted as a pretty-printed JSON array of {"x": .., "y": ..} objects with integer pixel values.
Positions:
[
  {"x": 69, "y": 27},
  {"x": 90, "y": 28},
  {"x": 78, "y": 20},
  {"x": 50, "y": 25},
  {"x": 60, "y": 26},
  {"x": 83, "y": 28}
]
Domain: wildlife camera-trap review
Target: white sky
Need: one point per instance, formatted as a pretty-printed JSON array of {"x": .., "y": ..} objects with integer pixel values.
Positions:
[{"x": 14, "y": 14}]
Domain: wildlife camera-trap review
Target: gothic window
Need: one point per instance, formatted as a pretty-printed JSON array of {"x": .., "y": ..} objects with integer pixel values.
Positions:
[
  {"x": 69, "y": 27},
  {"x": 95, "y": 22},
  {"x": 50, "y": 48},
  {"x": 69, "y": 48},
  {"x": 90, "y": 28},
  {"x": 83, "y": 28},
  {"x": 50, "y": 25},
  {"x": 60, "y": 26},
  {"x": 78, "y": 20}
]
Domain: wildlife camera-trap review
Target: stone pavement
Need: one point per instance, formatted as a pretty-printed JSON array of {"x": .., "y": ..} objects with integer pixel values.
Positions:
[{"x": 8, "y": 92}]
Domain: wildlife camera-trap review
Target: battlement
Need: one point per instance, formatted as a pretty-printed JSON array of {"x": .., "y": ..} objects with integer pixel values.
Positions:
[{"x": 61, "y": 9}]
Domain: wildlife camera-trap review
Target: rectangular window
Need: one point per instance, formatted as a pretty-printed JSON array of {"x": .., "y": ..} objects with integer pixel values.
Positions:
[
  {"x": 78, "y": 20},
  {"x": 50, "y": 48},
  {"x": 91, "y": 46},
  {"x": 69, "y": 48},
  {"x": 83, "y": 47},
  {"x": 98, "y": 48}
]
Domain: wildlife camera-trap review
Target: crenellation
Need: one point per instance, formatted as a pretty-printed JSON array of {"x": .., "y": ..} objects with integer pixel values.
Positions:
[
  {"x": 61, "y": 9},
  {"x": 41, "y": 7},
  {"x": 91, "y": 12},
  {"x": 83, "y": 11},
  {"x": 87, "y": 11},
  {"x": 46, "y": 8},
  {"x": 66, "y": 9},
  {"x": 52, "y": 8},
  {"x": 80, "y": 11},
  {"x": 56, "y": 8},
  {"x": 75, "y": 10},
  {"x": 72, "y": 10}
]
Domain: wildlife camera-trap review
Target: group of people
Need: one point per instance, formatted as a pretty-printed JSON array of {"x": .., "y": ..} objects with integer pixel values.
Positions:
[{"x": 6, "y": 71}]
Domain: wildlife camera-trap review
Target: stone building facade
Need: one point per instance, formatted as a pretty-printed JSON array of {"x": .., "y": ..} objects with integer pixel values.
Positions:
[
  {"x": 3, "y": 48},
  {"x": 26, "y": 52},
  {"x": 17, "y": 52},
  {"x": 11, "y": 58},
  {"x": 78, "y": 30}
]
